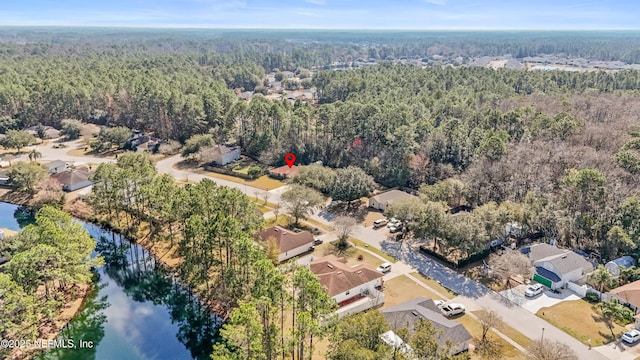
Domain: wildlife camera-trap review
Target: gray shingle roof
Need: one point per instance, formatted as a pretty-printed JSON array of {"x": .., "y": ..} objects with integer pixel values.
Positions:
[
  {"x": 407, "y": 314},
  {"x": 541, "y": 251},
  {"x": 566, "y": 262},
  {"x": 391, "y": 196}
]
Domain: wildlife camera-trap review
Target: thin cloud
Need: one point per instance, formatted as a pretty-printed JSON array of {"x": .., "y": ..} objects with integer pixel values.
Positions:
[
  {"x": 316, "y": 2},
  {"x": 436, "y": 2}
]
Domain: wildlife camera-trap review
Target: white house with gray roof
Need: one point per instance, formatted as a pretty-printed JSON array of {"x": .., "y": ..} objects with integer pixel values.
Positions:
[
  {"x": 556, "y": 267},
  {"x": 382, "y": 200},
  {"x": 408, "y": 314}
]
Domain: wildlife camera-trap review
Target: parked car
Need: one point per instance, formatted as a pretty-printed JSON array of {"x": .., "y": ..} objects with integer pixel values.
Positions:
[
  {"x": 395, "y": 228},
  {"x": 439, "y": 303},
  {"x": 380, "y": 223},
  {"x": 631, "y": 337},
  {"x": 452, "y": 309},
  {"x": 311, "y": 248},
  {"x": 394, "y": 222},
  {"x": 384, "y": 268},
  {"x": 533, "y": 290},
  {"x": 317, "y": 241}
]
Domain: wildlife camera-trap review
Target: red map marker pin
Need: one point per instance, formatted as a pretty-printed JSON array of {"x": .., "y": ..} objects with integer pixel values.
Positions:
[{"x": 290, "y": 158}]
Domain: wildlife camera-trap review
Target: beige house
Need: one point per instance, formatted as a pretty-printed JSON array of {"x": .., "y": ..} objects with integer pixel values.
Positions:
[
  {"x": 290, "y": 244},
  {"x": 354, "y": 288},
  {"x": 382, "y": 200}
]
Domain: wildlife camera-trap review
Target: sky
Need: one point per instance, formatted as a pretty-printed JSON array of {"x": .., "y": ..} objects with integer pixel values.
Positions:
[{"x": 327, "y": 14}]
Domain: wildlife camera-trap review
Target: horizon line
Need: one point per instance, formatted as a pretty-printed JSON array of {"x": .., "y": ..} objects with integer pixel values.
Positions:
[{"x": 196, "y": 27}]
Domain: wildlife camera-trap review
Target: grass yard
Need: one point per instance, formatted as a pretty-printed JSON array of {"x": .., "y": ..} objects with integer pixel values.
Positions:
[
  {"x": 263, "y": 182},
  {"x": 581, "y": 320},
  {"x": 372, "y": 216},
  {"x": 475, "y": 329},
  {"x": 282, "y": 220},
  {"x": 401, "y": 289},
  {"x": 360, "y": 243},
  {"x": 510, "y": 332},
  {"x": 435, "y": 285},
  {"x": 351, "y": 255}
]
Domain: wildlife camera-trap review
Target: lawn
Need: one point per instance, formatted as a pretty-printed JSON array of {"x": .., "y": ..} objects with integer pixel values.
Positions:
[
  {"x": 510, "y": 332},
  {"x": 263, "y": 182},
  {"x": 581, "y": 320},
  {"x": 362, "y": 244},
  {"x": 475, "y": 329},
  {"x": 401, "y": 289},
  {"x": 435, "y": 285},
  {"x": 282, "y": 220},
  {"x": 351, "y": 255}
]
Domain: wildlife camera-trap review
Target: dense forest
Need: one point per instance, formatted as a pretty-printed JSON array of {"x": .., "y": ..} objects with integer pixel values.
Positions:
[{"x": 558, "y": 152}]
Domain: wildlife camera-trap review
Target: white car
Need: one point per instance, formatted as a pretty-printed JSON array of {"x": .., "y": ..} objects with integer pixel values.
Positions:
[
  {"x": 394, "y": 222},
  {"x": 452, "y": 309},
  {"x": 384, "y": 268},
  {"x": 439, "y": 303},
  {"x": 533, "y": 290},
  {"x": 394, "y": 229},
  {"x": 631, "y": 337},
  {"x": 380, "y": 223}
]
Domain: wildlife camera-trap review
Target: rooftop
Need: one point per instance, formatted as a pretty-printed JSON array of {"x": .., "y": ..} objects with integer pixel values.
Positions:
[
  {"x": 392, "y": 196},
  {"x": 408, "y": 314},
  {"x": 286, "y": 239},
  {"x": 338, "y": 277}
]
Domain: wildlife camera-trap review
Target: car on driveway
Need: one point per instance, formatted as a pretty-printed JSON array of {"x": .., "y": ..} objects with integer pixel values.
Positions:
[
  {"x": 534, "y": 290},
  {"x": 394, "y": 222},
  {"x": 631, "y": 337},
  {"x": 394, "y": 229},
  {"x": 317, "y": 241},
  {"x": 453, "y": 309},
  {"x": 438, "y": 303},
  {"x": 384, "y": 268},
  {"x": 380, "y": 223}
]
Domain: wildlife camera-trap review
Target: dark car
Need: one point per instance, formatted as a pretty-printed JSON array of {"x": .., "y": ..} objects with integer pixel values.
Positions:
[{"x": 317, "y": 241}]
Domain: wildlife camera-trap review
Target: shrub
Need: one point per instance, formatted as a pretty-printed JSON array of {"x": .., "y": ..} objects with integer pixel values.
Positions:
[
  {"x": 254, "y": 171},
  {"x": 592, "y": 297}
]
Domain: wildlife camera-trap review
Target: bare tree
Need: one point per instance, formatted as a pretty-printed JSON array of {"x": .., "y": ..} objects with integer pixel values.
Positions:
[
  {"x": 510, "y": 263},
  {"x": 488, "y": 348},
  {"x": 344, "y": 226},
  {"x": 545, "y": 349}
]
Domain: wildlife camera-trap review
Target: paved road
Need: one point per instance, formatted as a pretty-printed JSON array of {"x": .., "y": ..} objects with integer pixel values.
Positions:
[{"x": 471, "y": 292}]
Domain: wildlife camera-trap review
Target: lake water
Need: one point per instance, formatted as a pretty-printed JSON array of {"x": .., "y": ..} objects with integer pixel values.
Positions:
[{"x": 136, "y": 311}]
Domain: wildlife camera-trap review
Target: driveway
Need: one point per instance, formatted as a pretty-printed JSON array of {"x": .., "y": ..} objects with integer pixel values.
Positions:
[{"x": 546, "y": 299}]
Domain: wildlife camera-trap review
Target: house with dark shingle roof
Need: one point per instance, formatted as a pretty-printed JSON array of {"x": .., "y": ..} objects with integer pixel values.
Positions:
[
  {"x": 382, "y": 200},
  {"x": 555, "y": 267},
  {"x": 408, "y": 314},
  {"x": 354, "y": 288},
  {"x": 289, "y": 243},
  {"x": 73, "y": 179}
]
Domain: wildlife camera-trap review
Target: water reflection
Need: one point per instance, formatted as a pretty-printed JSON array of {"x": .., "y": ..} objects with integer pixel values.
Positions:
[{"x": 138, "y": 310}]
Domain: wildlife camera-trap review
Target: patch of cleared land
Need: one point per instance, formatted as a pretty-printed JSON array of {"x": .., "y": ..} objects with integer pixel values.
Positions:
[
  {"x": 401, "y": 289},
  {"x": 263, "y": 182},
  {"x": 361, "y": 244}
]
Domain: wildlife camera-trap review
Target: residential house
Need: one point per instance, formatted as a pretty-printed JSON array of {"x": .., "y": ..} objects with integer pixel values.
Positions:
[
  {"x": 354, "y": 288},
  {"x": 289, "y": 243},
  {"x": 615, "y": 265},
  {"x": 56, "y": 166},
  {"x": 628, "y": 294},
  {"x": 556, "y": 267},
  {"x": 73, "y": 179},
  {"x": 223, "y": 155},
  {"x": 51, "y": 133},
  {"x": 408, "y": 314},
  {"x": 382, "y": 200},
  {"x": 284, "y": 172}
]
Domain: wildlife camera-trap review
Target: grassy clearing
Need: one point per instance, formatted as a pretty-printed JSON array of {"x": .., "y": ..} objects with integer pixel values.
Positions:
[
  {"x": 362, "y": 244},
  {"x": 475, "y": 329},
  {"x": 282, "y": 220},
  {"x": 510, "y": 332},
  {"x": 582, "y": 320},
  {"x": 434, "y": 285},
  {"x": 401, "y": 289},
  {"x": 263, "y": 183},
  {"x": 352, "y": 254}
]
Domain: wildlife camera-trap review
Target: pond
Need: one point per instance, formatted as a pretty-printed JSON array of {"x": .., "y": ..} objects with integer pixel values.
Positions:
[{"x": 137, "y": 310}]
